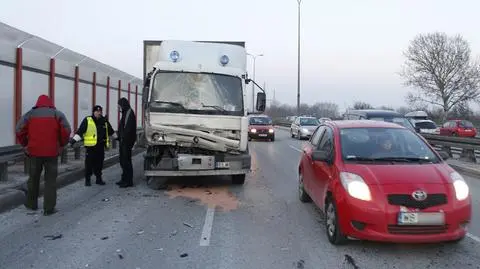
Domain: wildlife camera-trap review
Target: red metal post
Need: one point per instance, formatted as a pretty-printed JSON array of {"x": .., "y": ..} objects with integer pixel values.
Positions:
[
  {"x": 136, "y": 102},
  {"x": 94, "y": 89},
  {"x": 108, "y": 97},
  {"x": 75, "y": 98},
  {"x": 18, "y": 89},
  {"x": 119, "y": 96},
  {"x": 128, "y": 96},
  {"x": 51, "y": 81}
]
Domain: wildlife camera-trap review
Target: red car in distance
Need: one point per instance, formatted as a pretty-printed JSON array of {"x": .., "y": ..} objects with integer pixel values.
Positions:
[
  {"x": 461, "y": 128},
  {"x": 261, "y": 127},
  {"x": 380, "y": 181}
]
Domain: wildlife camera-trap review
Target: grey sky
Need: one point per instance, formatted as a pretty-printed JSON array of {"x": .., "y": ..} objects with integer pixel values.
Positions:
[{"x": 351, "y": 49}]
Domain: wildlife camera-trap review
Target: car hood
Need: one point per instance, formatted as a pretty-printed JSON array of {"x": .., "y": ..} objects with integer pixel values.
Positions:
[
  {"x": 309, "y": 127},
  {"x": 260, "y": 127},
  {"x": 389, "y": 174}
]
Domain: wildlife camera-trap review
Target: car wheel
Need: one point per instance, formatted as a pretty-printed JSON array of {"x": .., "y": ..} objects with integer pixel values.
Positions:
[
  {"x": 334, "y": 232},
  {"x": 302, "y": 194},
  {"x": 238, "y": 179},
  {"x": 291, "y": 133},
  {"x": 157, "y": 183}
]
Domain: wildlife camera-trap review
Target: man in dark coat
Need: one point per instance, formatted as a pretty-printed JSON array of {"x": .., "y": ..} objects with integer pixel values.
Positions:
[
  {"x": 95, "y": 131},
  {"x": 43, "y": 132},
  {"x": 127, "y": 135}
]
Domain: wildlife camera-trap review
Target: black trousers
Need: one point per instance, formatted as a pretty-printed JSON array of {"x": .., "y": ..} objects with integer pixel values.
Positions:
[
  {"x": 94, "y": 158},
  {"x": 36, "y": 166},
  {"x": 126, "y": 163}
]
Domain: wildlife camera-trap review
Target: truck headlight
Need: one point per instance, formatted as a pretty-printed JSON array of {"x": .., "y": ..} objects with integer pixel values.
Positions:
[
  {"x": 270, "y": 131},
  {"x": 355, "y": 186},
  {"x": 461, "y": 188}
]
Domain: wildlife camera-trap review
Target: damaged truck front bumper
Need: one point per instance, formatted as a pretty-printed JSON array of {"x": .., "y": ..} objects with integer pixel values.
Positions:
[{"x": 200, "y": 165}]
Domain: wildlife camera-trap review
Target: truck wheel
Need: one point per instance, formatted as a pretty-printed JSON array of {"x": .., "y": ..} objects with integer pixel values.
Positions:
[
  {"x": 157, "y": 183},
  {"x": 238, "y": 179}
]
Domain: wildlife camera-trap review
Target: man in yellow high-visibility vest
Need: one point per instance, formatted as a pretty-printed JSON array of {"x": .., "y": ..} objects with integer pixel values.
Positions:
[{"x": 95, "y": 131}]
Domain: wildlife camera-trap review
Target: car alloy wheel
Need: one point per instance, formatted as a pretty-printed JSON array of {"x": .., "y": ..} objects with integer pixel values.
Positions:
[{"x": 334, "y": 232}]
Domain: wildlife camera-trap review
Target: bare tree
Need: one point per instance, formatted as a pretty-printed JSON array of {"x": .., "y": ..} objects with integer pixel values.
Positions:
[
  {"x": 362, "y": 105},
  {"x": 441, "y": 69}
]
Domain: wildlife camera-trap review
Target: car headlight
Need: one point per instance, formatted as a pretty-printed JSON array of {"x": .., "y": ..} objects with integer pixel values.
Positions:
[
  {"x": 304, "y": 130},
  {"x": 270, "y": 131},
  {"x": 461, "y": 188},
  {"x": 253, "y": 130},
  {"x": 355, "y": 186}
]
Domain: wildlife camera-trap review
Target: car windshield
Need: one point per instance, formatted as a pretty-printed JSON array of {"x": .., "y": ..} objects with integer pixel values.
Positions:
[
  {"x": 398, "y": 120},
  {"x": 384, "y": 143},
  {"x": 260, "y": 121},
  {"x": 465, "y": 124},
  {"x": 426, "y": 125},
  {"x": 196, "y": 93},
  {"x": 309, "y": 122}
]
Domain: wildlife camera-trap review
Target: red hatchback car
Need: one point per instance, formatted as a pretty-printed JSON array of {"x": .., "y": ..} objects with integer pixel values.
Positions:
[
  {"x": 462, "y": 128},
  {"x": 382, "y": 182}
]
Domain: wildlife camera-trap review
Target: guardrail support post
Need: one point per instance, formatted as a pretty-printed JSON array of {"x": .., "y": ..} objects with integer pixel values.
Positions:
[
  {"x": 64, "y": 156},
  {"x": 468, "y": 154},
  {"x": 448, "y": 150},
  {"x": 77, "y": 153},
  {"x": 26, "y": 165},
  {"x": 4, "y": 171}
]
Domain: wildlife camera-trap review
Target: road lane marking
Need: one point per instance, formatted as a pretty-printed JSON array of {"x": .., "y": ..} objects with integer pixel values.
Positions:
[
  {"x": 474, "y": 237},
  {"x": 207, "y": 227},
  {"x": 297, "y": 149}
]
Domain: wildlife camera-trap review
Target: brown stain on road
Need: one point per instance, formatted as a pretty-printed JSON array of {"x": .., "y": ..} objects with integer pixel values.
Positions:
[{"x": 215, "y": 196}]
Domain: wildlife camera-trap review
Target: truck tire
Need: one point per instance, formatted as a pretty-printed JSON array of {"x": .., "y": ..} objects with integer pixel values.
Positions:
[
  {"x": 238, "y": 179},
  {"x": 157, "y": 183}
]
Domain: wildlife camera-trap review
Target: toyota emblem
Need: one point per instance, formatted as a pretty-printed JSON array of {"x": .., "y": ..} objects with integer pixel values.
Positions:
[{"x": 419, "y": 195}]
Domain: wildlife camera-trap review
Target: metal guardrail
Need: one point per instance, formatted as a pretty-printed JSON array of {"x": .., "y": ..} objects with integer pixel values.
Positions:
[
  {"x": 468, "y": 148},
  {"x": 16, "y": 153}
]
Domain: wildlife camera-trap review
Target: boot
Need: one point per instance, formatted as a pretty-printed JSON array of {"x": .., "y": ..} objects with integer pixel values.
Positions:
[
  {"x": 99, "y": 181},
  {"x": 88, "y": 182}
]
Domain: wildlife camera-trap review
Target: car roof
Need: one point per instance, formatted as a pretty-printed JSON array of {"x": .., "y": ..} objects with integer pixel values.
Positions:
[
  {"x": 424, "y": 121},
  {"x": 363, "y": 124},
  {"x": 306, "y": 117},
  {"x": 375, "y": 112}
]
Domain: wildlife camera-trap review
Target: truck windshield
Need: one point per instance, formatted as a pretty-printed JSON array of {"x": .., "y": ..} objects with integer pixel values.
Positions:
[{"x": 198, "y": 93}]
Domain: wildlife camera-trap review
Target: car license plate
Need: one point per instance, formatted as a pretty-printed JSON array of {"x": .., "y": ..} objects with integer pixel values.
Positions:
[
  {"x": 421, "y": 218},
  {"x": 262, "y": 135},
  {"x": 222, "y": 165}
]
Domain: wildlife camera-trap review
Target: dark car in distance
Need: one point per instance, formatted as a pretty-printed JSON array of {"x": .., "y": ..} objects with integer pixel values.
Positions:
[{"x": 261, "y": 127}]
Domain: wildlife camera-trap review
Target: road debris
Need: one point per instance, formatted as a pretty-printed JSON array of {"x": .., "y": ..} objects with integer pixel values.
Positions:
[
  {"x": 120, "y": 256},
  {"x": 188, "y": 224},
  {"x": 104, "y": 238},
  {"x": 183, "y": 255},
  {"x": 174, "y": 233},
  {"x": 140, "y": 232},
  {"x": 105, "y": 200},
  {"x": 351, "y": 261},
  {"x": 53, "y": 237},
  {"x": 300, "y": 264}
]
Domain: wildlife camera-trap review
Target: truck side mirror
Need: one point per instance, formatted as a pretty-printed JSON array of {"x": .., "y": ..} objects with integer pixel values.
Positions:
[{"x": 261, "y": 101}]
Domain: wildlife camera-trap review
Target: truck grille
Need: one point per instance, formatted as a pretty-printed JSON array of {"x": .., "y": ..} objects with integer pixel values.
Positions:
[
  {"x": 407, "y": 200},
  {"x": 417, "y": 229}
]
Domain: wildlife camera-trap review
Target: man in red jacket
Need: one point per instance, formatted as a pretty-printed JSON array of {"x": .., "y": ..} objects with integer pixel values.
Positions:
[{"x": 43, "y": 132}]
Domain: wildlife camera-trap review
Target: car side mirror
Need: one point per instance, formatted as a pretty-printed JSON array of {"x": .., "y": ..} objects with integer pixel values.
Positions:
[
  {"x": 261, "y": 101},
  {"x": 444, "y": 155},
  {"x": 321, "y": 156}
]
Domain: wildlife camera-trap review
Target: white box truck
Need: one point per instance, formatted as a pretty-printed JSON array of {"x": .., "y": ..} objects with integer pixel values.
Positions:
[{"x": 195, "y": 113}]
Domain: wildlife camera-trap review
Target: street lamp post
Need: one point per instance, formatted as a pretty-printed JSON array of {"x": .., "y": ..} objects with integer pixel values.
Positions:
[
  {"x": 253, "y": 85},
  {"x": 298, "y": 61}
]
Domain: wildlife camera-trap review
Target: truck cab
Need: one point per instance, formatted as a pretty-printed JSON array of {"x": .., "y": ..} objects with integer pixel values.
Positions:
[{"x": 195, "y": 115}]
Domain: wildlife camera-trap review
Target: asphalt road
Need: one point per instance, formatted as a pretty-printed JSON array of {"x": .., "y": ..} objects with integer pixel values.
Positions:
[{"x": 259, "y": 225}]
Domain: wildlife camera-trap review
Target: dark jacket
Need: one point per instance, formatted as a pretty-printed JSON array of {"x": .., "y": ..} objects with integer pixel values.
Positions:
[
  {"x": 101, "y": 130},
  {"x": 43, "y": 130},
  {"x": 127, "y": 129}
]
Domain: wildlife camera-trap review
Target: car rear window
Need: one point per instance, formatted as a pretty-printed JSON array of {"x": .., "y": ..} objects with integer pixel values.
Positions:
[
  {"x": 426, "y": 125},
  {"x": 465, "y": 124},
  {"x": 309, "y": 121}
]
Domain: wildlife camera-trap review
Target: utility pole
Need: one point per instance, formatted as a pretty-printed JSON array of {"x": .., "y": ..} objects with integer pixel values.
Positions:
[{"x": 298, "y": 61}]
